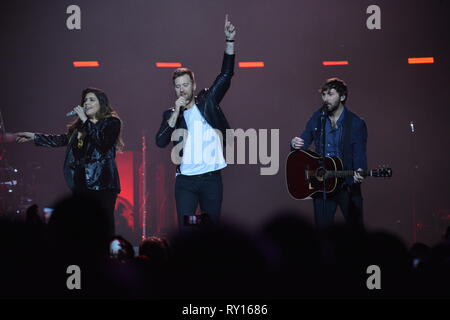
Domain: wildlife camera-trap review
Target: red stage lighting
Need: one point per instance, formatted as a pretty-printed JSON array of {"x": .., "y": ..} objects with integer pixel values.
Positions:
[
  {"x": 420, "y": 60},
  {"x": 78, "y": 64},
  {"x": 168, "y": 64},
  {"x": 254, "y": 64},
  {"x": 335, "y": 63}
]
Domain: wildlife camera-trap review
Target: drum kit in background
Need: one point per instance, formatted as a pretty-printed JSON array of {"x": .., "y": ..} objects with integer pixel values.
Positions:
[{"x": 17, "y": 192}]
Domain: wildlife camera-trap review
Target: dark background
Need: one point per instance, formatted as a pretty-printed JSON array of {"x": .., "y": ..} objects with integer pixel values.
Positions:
[{"x": 39, "y": 85}]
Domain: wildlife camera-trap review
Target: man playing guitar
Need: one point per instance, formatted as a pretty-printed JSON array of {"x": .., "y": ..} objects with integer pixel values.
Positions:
[{"x": 346, "y": 138}]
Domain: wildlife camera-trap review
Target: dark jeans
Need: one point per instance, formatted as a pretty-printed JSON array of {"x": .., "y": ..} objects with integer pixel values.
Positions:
[
  {"x": 190, "y": 191},
  {"x": 349, "y": 200},
  {"x": 107, "y": 200}
]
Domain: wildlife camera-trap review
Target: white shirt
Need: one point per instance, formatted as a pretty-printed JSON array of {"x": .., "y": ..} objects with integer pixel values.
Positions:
[{"x": 202, "y": 151}]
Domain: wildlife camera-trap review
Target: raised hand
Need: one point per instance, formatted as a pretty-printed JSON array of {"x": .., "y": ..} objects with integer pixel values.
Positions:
[{"x": 230, "y": 30}]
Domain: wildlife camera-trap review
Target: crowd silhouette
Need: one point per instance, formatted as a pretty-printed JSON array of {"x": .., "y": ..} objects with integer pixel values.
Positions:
[{"x": 286, "y": 259}]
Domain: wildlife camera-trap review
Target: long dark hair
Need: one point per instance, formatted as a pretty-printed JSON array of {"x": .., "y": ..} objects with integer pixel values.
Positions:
[{"x": 105, "y": 111}]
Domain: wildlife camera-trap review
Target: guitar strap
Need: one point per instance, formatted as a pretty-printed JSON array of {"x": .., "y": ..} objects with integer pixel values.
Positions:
[
  {"x": 347, "y": 140},
  {"x": 347, "y": 152}
]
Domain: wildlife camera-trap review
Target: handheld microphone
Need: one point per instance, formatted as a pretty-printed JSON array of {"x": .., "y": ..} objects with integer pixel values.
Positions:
[
  {"x": 71, "y": 113},
  {"x": 324, "y": 109},
  {"x": 182, "y": 109}
]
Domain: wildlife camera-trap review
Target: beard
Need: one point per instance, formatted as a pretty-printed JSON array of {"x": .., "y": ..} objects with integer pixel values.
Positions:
[{"x": 332, "y": 108}]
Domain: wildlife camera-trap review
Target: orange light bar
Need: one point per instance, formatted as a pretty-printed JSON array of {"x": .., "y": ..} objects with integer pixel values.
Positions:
[
  {"x": 78, "y": 64},
  {"x": 255, "y": 64},
  {"x": 421, "y": 60},
  {"x": 168, "y": 64},
  {"x": 335, "y": 63}
]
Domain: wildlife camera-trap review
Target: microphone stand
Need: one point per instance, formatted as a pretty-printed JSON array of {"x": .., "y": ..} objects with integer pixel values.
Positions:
[{"x": 413, "y": 191}]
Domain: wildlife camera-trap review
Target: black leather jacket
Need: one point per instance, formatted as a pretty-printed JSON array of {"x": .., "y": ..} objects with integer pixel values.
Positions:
[
  {"x": 98, "y": 162},
  {"x": 207, "y": 103}
]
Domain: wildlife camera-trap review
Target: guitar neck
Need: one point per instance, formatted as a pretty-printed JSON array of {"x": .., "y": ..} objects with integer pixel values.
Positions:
[
  {"x": 385, "y": 173},
  {"x": 347, "y": 173}
]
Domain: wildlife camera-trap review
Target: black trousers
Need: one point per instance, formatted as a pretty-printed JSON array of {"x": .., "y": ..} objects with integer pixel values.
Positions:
[
  {"x": 107, "y": 201},
  {"x": 348, "y": 198},
  {"x": 190, "y": 191}
]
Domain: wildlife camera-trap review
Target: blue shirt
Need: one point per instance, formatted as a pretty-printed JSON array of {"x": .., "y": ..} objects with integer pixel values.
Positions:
[{"x": 334, "y": 136}]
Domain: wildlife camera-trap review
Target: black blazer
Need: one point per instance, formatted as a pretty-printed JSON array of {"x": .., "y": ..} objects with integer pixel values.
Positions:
[
  {"x": 207, "y": 102},
  {"x": 100, "y": 153}
]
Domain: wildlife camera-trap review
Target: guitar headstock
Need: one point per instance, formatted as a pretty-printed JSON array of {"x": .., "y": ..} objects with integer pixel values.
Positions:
[{"x": 382, "y": 172}]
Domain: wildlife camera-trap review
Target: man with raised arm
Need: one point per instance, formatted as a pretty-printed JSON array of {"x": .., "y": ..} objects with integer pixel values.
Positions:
[{"x": 198, "y": 123}]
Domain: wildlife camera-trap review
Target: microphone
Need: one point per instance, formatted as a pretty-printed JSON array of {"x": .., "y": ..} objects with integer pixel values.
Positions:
[
  {"x": 71, "y": 113},
  {"x": 412, "y": 126},
  {"x": 324, "y": 109},
  {"x": 182, "y": 110}
]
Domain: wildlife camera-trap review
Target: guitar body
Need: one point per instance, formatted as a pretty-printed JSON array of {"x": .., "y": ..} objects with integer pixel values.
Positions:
[{"x": 302, "y": 174}]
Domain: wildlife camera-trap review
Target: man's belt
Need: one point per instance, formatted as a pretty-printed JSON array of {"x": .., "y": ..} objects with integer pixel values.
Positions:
[{"x": 206, "y": 174}]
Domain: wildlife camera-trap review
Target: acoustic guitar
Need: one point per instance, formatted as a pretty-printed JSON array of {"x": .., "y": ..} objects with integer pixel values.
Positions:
[{"x": 305, "y": 174}]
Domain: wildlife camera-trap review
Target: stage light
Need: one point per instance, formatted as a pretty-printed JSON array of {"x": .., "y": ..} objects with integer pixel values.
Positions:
[
  {"x": 335, "y": 63},
  {"x": 254, "y": 64},
  {"x": 78, "y": 64},
  {"x": 420, "y": 60},
  {"x": 168, "y": 64}
]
